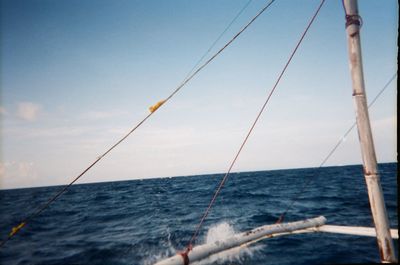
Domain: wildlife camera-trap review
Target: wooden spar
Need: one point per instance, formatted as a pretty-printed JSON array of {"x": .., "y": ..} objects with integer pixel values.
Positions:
[
  {"x": 268, "y": 231},
  {"x": 203, "y": 251},
  {"x": 336, "y": 229},
  {"x": 352, "y": 230},
  {"x": 378, "y": 209}
]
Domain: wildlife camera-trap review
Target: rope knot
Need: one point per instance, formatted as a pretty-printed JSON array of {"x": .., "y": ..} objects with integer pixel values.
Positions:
[
  {"x": 185, "y": 257},
  {"x": 185, "y": 254},
  {"x": 353, "y": 20},
  {"x": 15, "y": 229},
  {"x": 280, "y": 219},
  {"x": 156, "y": 106}
]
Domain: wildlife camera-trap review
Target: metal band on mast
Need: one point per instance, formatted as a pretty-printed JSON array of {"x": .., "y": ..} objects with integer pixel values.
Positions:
[{"x": 377, "y": 203}]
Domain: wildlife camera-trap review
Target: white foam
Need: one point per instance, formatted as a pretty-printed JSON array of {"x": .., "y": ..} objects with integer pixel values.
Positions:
[
  {"x": 223, "y": 231},
  {"x": 215, "y": 233},
  {"x": 218, "y": 232},
  {"x": 156, "y": 255}
]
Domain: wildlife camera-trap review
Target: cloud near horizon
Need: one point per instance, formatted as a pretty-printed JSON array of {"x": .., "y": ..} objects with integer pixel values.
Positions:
[
  {"x": 101, "y": 115},
  {"x": 28, "y": 111},
  {"x": 15, "y": 174},
  {"x": 3, "y": 111}
]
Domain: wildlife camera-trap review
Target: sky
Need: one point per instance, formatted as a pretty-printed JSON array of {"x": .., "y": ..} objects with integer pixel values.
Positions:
[{"x": 76, "y": 76}]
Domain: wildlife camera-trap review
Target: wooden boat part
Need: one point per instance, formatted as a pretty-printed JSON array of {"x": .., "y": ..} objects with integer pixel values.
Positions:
[
  {"x": 352, "y": 230},
  {"x": 203, "y": 251}
]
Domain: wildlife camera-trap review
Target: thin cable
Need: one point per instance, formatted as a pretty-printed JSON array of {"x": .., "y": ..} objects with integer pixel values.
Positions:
[
  {"x": 331, "y": 152},
  {"x": 219, "y": 51},
  {"x": 210, "y": 48},
  {"x": 218, "y": 38},
  {"x": 17, "y": 228},
  {"x": 58, "y": 194},
  {"x": 197, "y": 230}
]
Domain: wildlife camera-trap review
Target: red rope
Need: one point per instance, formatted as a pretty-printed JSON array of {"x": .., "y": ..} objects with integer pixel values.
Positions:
[{"x": 195, "y": 234}]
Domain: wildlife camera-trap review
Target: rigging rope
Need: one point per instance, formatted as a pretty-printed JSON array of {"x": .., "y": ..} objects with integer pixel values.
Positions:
[
  {"x": 341, "y": 140},
  {"x": 158, "y": 104},
  {"x": 197, "y": 230},
  {"x": 153, "y": 109},
  {"x": 218, "y": 38}
]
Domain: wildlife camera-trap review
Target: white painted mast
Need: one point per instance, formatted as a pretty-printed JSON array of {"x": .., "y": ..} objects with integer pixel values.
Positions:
[{"x": 377, "y": 203}]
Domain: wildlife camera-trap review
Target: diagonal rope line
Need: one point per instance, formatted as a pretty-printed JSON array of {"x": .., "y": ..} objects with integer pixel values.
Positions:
[
  {"x": 197, "y": 230},
  {"x": 40, "y": 209},
  {"x": 209, "y": 50},
  {"x": 218, "y": 38},
  {"x": 220, "y": 50},
  {"x": 331, "y": 152}
]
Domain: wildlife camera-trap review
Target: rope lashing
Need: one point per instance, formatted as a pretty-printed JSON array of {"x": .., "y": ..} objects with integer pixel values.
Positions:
[
  {"x": 156, "y": 106},
  {"x": 353, "y": 19},
  {"x": 185, "y": 256},
  {"x": 15, "y": 229}
]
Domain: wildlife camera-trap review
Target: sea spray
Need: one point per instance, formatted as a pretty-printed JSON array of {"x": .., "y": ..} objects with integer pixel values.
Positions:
[
  {"x": 218, "y": 232},
  {"x": 155, "y": 254},
  {"x": 223, "y": 231}
]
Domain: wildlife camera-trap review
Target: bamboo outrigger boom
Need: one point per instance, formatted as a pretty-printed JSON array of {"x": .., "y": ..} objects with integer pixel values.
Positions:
[
  {"x": 203, "y": 251},
  {"x": 352, "y": 230}
]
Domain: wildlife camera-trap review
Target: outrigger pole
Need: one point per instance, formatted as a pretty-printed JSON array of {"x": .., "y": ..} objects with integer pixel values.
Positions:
[
  {"x": 314, "y": 225},
  {"x": 377, "y": 203},
  {"x": 243, "y": 239}
]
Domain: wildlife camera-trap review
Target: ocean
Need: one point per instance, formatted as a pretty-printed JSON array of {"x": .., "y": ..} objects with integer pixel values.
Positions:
[{"x": 143, "y": 221}]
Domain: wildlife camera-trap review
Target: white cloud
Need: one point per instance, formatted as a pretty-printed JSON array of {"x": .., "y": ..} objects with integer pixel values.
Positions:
[
  {"x": 28, "y": 111},
  {"x": 25, "y": 169},
  {"x": 52, "y": 132},
  {"x": 387, "y": 122},
  {"x": 3, "y": 111},
  {"x": 17, "y": 174},
  {"x": 2, "y": 169},
  {"x": 384, "y": 132},
  {"x": 100, "y": 115}
]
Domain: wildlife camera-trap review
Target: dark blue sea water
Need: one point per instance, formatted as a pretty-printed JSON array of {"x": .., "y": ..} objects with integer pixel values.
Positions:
[{"x": 141, "y": 221}]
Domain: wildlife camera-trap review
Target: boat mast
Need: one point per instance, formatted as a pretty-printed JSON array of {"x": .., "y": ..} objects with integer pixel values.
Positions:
[{"x": 377, "y": 203}]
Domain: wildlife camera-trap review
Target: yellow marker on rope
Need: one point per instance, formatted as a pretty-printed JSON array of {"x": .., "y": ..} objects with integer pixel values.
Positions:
[
  {"x": 156, "y": 106},
  {"x": 15, "y": 229}
]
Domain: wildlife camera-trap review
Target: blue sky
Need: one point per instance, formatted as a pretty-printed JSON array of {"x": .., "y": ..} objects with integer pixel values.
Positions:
[{"x": 77, "y": 75}]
